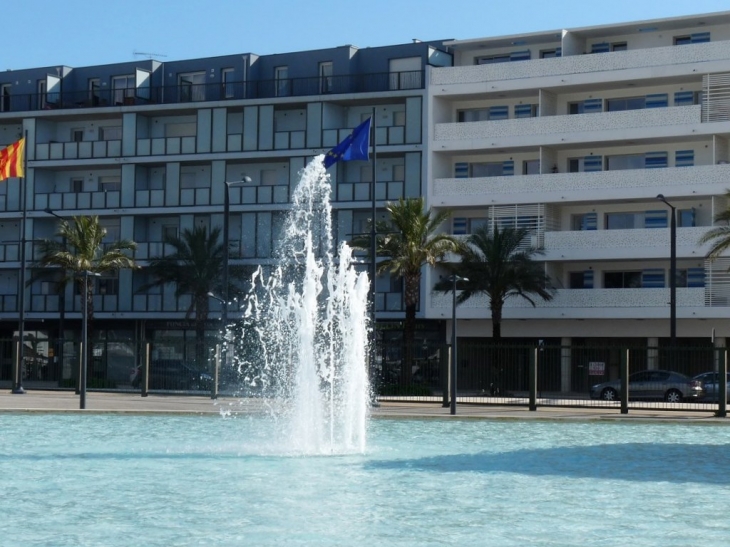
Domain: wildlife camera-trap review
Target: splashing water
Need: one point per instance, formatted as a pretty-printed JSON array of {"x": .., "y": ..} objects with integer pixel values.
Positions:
[{"x": 308, "y": 324}]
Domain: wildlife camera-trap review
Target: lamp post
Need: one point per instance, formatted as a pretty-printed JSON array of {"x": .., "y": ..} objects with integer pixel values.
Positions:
[
  {"x": 85, "y": 338},
  {"x": 454, "y": 278},
  {"x": 61, "y": 304},
  {"x": 672, "y": 272},
  {"x": 226, "y": 214}
]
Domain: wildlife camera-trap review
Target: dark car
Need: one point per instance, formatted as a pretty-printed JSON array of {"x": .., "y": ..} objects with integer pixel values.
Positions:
[
  {"x": 175, "y": 374},
  {"x": 663, "y": 385},
  {"x": 710, "y": 384}
]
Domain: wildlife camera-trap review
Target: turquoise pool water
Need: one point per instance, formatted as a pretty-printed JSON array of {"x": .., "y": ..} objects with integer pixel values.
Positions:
[{"x": 106, "y": 480}]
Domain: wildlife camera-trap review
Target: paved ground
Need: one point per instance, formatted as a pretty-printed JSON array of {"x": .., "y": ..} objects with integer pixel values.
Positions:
[{"x": 66, "y": 401}]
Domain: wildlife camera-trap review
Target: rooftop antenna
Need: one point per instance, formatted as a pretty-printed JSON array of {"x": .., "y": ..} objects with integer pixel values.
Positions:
[{"x": 148, "y": 55}]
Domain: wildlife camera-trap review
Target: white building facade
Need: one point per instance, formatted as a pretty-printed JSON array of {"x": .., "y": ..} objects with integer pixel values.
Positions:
[{"x": 573, "y": 134}]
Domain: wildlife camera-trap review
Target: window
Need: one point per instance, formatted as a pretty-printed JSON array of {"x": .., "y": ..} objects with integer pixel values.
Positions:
[
  {"x": 487, "y": 169},
  {"x": 549, "y": 53},
  {"x": 108, "y": 284},
  {"x": 227, "y": 81},
  {"x": 527, "y": 111},
  {"x": 182, "y": 129},
  {"x": 399, "y": 118},
  {"x": 584, "y": 165},
  {"x": 686, "y": 218},
  {"x": 491, "y": 59},
  {"x": 626, "y": 103},
  {"x": 622, "y": 280},
  {"x": 94, "y": 91},
  {"x": 580, "y": 280},
  {"x": 123, "y": 89},
  {"x": 42, "y": 94},
  {"x": 77, "y": 135},
  {"x": 110, "y": 184},
  {"x": 476, "y": 223},
  {"x": 366, "y": 173},
  {"x": 325, "y": 77},
  {"x": 484, "y": 114},
  {"x": 169, "y": 231},
  {"x": 584, "y": 221},
  {"x": 589, "y": 106},
  {"x": 619, "y": 46},
  {"x": 5, "y": 97},
  {"x": 624, "y": 221},
  {"x": 110, "y": 133},
  {"x": 531, "y": 167},
  {"x": 282, "y": 82},
  {"x": 625, "y": 161},
  {"x": 192, "y": 86},
  {"x": 77, "y": 185}
]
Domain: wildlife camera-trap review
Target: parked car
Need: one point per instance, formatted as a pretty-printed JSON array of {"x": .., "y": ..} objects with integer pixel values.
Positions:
[
  {"x": 710, "y": 384},
  {"x": 174, "y": 374},
  {"x": 663, "y": 385}
]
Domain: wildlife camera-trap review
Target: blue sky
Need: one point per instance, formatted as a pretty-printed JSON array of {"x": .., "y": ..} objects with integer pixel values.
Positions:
[{"x": 85, "y": 33}]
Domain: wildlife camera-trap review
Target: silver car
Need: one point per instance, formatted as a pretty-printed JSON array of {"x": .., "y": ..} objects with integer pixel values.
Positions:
[
  {"x": 709, "y": 381},
  {"x": 664, "y": 385}
]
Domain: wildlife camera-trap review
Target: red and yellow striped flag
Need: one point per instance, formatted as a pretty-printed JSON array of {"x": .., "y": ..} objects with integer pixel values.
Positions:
[{"x": 11, "y": 160}]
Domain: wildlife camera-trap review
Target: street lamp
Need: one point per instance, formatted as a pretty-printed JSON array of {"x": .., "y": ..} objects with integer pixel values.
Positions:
[
  {"x": 454, "y": 278},
  {"x": 85, "y": 338},
  {"x": 61, "y": 304},
  {"x": 672, "y": 272},
  {"x": 226, "y": 214}
]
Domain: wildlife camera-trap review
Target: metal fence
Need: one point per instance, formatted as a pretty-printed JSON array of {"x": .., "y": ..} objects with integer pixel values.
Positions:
[
  {"x": 662, "y": 378},
  {"x": 611, "y": 377}
]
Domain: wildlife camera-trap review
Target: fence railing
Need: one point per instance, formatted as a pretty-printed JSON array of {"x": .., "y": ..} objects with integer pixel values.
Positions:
[{"x": 610, "y": 377}]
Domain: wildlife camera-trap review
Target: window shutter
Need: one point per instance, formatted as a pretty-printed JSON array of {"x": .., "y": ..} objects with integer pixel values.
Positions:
[
  {"x": 508, "y": 168},
  {"x": 591, "y": 106},
  {"x": 498, "y": 112},
  {"x": 654, "y": 160},
  {"x": 684, "y": 158},
  {"x": 652, "y": 279},
  {"x": 684, "y": 98},
  {"x": 603, "y": 47},
  {"x": 461, "y": 170},
  {"x": 699, "y": 37},
  {"x": 459, "y": 226},
  {"x": 657, "y": 100},
  {"x": 592, "y": 163},
  {"x": 520, "y": 55},
  {"x": 588, "y": 279},
  {"x": 695, "y": 277},
  {"x": 523, "y": 111},
  {"x": 589, "y": 222},
  {"x": 655, "y": 219}
]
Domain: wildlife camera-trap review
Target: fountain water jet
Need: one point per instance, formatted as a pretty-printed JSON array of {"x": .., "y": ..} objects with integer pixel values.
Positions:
[{"x": 310, "y": 321}]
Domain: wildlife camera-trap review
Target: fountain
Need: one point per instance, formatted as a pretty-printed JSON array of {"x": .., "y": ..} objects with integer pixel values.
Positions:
[{"x": 304, "y": 338}]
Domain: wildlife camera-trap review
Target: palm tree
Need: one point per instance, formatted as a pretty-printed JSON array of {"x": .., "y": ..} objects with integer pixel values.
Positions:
[
  {"x": 195, "y": 268},
  {"x": 497, "y": 264},
  {"x": 82, "y": 249},
  {"x": 719, "y": 236},
  {"x": 407, "y": 242}
]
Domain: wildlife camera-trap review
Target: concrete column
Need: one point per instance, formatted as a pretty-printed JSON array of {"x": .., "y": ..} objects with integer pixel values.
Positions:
[
  {"x": 566, "y": 370},
  {"x": 652, "y": 353}
]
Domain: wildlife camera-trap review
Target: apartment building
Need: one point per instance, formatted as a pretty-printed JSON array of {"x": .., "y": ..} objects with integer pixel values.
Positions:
[
  {"x": 148, "y": 146},
  {"x": 574, "y": 133}
]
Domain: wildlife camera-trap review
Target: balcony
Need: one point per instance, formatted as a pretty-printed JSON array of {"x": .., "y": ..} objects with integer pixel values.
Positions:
[
  {"x": 547, "y": 130},
  {"x": 682, "y": 59},
  {"x": 78, "y": 150},
  {"x": 581, "y": 187},
  {"x": 616, "y": 244},
  {"x": 579, "y": 304},
  {"x": 195, "y": 93}
]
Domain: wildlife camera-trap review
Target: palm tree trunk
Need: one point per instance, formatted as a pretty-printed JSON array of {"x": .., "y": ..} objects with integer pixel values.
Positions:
[
  {"x": 496, "y": 319},
  {"x": 201, "y": 315},
  {"x": 412, "y": 286}
]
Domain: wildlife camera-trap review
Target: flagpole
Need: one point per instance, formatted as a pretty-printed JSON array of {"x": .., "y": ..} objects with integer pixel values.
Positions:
[
  {"x": 18, "y": 384},
  {"x": 374, "y": 265}
]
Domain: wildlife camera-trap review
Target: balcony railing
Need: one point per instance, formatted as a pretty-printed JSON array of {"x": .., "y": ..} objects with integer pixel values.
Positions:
[
  {"x": 190, "y": 93},
  {"x": 567, "y": 187}
]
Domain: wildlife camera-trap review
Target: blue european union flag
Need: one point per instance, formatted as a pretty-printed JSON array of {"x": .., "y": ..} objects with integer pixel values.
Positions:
[{"x": 353, "y": 147}]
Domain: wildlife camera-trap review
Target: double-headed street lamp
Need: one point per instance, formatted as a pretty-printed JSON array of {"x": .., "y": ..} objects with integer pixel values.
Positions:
[
  {"x": 454, "y": 278},
  {"x": 672, "y": 272},
  {"x": 61, "y": 303},
  {"x": 85, "y": 338},
  {"x": 226, "y": 220}
]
